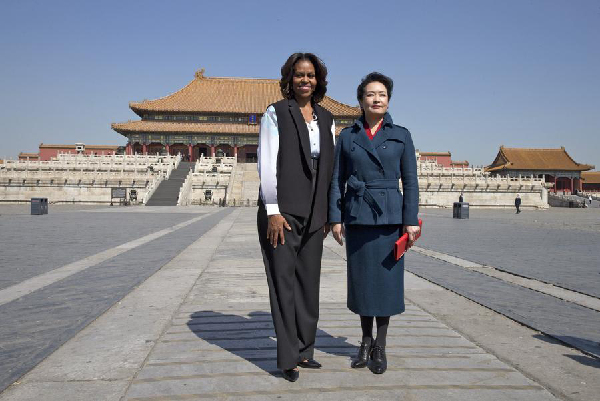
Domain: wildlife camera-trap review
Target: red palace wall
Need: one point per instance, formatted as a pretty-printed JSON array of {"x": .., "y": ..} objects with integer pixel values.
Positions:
[
  {"x": 49, "y": 153},
  {"x": 445, "y": 161}
]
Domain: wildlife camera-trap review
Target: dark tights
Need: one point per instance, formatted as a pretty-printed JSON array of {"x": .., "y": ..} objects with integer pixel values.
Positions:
[{"x": 366, "y": 323}]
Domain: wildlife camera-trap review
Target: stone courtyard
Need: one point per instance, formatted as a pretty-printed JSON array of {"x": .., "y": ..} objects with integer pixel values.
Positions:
[{"x": 171, "y": 303}]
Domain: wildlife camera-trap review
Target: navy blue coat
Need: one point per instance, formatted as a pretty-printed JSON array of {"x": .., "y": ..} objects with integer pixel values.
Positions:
[{"x": 364, "y": 189}]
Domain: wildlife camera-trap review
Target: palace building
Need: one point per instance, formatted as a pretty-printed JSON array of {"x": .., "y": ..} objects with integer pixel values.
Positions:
[
  {"x": 554, "y": 166},
  {"x": 210, "y": 116},
  {"x": 591, "y": 181},
  {"x": 50, "y": 152},
  {"x": 444, "y": 159}
]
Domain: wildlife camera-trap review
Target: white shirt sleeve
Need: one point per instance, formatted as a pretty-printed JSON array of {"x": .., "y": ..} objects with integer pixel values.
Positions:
[
  {"x": 268, "y": 149},
  {"x": 333, "y": 131}
]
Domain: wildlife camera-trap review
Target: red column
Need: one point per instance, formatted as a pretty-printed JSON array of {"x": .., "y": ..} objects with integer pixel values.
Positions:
[
  {"x": 190, "y": 151},
  {"x": 571, "y": 184},
  {"x": 144, "y": 149},
  {"x": 128, "y": 148},
  {"x": 212, "y": 151},
  {"x": 168, "y": 149},
  {"x": 235, "y": 151}
]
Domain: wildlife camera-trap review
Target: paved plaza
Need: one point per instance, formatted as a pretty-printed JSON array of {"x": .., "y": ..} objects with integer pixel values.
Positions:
[{"x": 171, "y": 303}]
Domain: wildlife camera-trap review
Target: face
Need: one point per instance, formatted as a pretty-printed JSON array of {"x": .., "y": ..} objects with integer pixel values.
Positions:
[
  {"x": 304, "y": 81},
  {"x": 375, "y": 99}
]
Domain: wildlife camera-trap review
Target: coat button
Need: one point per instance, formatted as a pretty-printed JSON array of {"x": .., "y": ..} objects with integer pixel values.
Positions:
[
  {"x": 382, "y": 193},
  {"x": 352, "y": 149},
  {"x": 384, "y": 146}
]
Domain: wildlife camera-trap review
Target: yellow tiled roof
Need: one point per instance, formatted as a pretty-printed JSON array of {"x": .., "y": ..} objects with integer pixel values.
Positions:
[
  {"x": 229, "y": 95},
  {"x": 591, "y": 177},
  {"x": 535, "y": 159},
  {"x": 188, "y": 128}
]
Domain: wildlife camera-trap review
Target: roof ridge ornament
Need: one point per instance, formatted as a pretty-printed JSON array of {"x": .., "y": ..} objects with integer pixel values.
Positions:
[{"x": 200, "y": 73}]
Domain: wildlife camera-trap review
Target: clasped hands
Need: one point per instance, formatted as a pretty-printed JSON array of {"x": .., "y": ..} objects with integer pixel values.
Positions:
[{"x": 275, "y": 229}]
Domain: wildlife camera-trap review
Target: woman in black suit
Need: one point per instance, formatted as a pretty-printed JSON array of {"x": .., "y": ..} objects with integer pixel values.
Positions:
[
  {"x": 295, "y": 163},
  {"x": 367, "y": 206}
]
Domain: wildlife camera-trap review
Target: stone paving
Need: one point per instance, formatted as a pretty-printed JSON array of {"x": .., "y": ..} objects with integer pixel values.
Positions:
[
  {"x": 575, "y": 325},
  {"x": 195, "y": 324},
  {"x": 37, "y": 244},
  {"x": 34, "y": 325},
  {"x": 558, "y": 246}
]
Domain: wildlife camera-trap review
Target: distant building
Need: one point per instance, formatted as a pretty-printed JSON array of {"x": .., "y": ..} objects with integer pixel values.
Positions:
[
  {"x": 591, "y": 181},
  {"x": 459, "y": 164},
  {"x": 211, "y": 116},
  {"x": 47, "y": 152},
  {"x": 444, "y": 159},
  {"x": 553, "y": 165},
  {"x": 29, "y": 156}
]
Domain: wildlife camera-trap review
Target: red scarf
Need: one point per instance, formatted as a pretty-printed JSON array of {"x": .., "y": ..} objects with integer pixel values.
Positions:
[{"x": 370, "y": 134}]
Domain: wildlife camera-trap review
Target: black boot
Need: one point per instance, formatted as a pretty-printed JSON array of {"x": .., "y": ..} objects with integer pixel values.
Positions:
[
  {"x": 364, "y": 352},
  {"x": 378, "y": 360},
  {"x": 290, "y": 375}
]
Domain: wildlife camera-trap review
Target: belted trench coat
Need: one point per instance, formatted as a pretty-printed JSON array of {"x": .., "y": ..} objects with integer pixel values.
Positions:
[
  {"x": 365, "y": 196},
  {"x": 366, "y": 173}
]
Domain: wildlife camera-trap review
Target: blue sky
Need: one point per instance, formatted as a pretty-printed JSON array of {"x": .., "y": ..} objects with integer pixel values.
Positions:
[{"x": 469, "y": 75}]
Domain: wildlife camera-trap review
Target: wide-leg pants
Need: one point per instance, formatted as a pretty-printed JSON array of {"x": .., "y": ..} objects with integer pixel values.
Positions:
[{"x": 293, "y": 274}]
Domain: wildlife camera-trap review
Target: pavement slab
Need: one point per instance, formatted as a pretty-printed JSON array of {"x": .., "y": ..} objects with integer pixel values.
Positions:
[
  {"x": 557, "y": 247},
  {"x": 36, "y": 324},
  {"x": 198, "y": 327},
  {"x": 221, "y": 344},
  {"x": 568, "y": 322}
]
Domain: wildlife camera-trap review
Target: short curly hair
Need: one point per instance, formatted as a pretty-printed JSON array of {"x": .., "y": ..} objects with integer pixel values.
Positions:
[
  {"x": 287, "y": 75},
  {"x": 374, "y": 77}
]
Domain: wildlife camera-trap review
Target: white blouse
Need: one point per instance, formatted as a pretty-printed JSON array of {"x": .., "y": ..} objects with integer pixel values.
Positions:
[{"x": 268, "y": 148}]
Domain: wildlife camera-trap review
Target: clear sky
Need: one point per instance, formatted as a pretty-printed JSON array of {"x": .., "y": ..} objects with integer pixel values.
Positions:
[{"x": 470, "y": 75}]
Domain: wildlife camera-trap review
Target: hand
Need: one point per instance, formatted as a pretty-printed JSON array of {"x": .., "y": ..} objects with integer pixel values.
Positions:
[
  {"x": 412, "y": 231},
  {"x": 338, "y": 231},
  {"x": 326, "y": 229},
  {"x": 275, "y": 229}
]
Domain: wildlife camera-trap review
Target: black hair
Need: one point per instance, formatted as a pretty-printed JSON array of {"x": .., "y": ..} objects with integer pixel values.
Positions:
[
  {"x": 374, "y": 77},
  {"x": 287, "y": 75}
]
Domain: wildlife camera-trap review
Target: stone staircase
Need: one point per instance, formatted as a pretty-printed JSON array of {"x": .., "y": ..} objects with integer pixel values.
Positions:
[
  {"x": 244, "y": 187},
  {"x": 168, "y": 191}
]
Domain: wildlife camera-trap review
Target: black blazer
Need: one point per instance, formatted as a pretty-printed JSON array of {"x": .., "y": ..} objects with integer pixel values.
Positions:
[{"x": 294, "y": 176}]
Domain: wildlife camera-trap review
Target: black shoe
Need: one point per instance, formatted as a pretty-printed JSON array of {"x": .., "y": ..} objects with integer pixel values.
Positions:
[
  {"x": 364, "y": 352},
  {"x": 309, "y": 364},
  {"x": 378, "y": 360},
  {"x": 290, "y": 375}
]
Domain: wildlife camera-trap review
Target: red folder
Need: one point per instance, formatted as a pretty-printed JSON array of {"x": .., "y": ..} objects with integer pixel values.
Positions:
[{"x": 401, "y": 246}]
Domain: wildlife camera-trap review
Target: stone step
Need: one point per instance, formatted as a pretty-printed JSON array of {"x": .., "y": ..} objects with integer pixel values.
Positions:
[{"x": 167, "y": 192}]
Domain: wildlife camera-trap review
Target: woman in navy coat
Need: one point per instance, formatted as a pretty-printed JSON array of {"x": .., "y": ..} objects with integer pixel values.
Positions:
[{"x": 368, "y": 208}]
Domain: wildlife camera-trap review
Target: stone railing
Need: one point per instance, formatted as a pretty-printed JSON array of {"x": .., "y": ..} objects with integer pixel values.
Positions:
[
  {"x": 83, "y": 178},
  {"x": 185, "y": 190},
  {"x": 200, "y": 182},
  {"x": 441, "y": 187},
  {"x": 151, "y": 188},
  {"x": 93, "y": 164}
]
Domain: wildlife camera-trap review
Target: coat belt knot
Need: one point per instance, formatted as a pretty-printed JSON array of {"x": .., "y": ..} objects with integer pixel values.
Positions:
[{"x": 362, "y": 190}]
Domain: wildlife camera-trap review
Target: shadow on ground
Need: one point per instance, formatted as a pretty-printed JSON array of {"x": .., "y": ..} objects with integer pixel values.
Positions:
[
  {"x": 249, "y": 337},
  {"x": 585, "y": 345}
]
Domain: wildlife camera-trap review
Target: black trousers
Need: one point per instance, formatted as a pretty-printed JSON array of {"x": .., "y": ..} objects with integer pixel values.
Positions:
[{"x": 293, "y": 274}]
